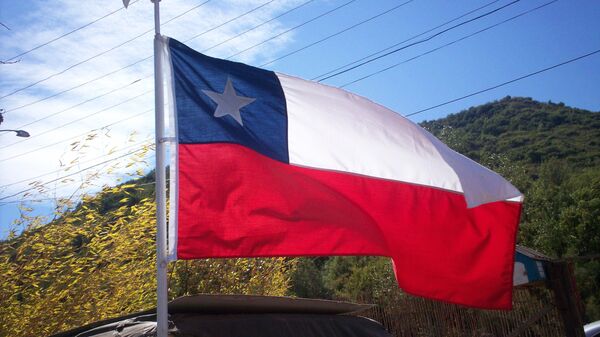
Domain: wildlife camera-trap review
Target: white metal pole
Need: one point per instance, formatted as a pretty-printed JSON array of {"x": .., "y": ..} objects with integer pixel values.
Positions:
[{"x": 162, "y": 313}]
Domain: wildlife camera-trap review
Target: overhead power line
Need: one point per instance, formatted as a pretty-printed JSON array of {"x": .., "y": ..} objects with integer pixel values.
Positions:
[
  {"x": 259, "y": 25},
  {"x": 71, "y": 174},
  {"x": 80, "y": 85},
  {"x": 75, "y": 137},
  {"x": 293, "y": 28},
  {"x": 228, "y": 21},
  {"x": 75, "y": 197},
  {"x": 243, "y": 33},
  {"x": 141, "y": 60},
  {"x": 68, "y": 167},
  {"x": 505, "y": 83},
  {"x": 448, "y": 44},
  {"x": 99, "y": 54},
  {"x": 417, "y": 42},
  {"x": 80, "y": 104},
  {"x": 406, "y": 40},
  {"x": 337, "y": 33},
  {"x": 237, "y": 17},
  {"x": 70, "y": 32},
  {"x": 78, "y": 119},
  {"x": 149, "y": 57}
]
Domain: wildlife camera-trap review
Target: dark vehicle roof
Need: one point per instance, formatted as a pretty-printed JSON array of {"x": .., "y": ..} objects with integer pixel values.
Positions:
[{"x": 243, "y": 316}]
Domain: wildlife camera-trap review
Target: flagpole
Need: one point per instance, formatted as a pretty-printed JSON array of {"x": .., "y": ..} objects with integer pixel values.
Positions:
[{"x": 162, "y": 312}]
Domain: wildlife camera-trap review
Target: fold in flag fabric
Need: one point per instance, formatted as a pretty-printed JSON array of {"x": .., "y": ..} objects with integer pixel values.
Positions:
[{"x": 272, "y": 165}]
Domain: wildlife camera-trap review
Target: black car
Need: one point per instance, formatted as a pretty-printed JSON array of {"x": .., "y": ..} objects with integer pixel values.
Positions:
[{"x": 243, "y": 316}]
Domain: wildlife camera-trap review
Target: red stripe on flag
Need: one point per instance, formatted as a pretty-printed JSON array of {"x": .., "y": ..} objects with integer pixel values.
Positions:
[{"x": 234, "y": 202}]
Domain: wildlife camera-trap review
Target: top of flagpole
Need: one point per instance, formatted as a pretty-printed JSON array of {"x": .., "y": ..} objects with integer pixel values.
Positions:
[{"x": 156, "y": 16}]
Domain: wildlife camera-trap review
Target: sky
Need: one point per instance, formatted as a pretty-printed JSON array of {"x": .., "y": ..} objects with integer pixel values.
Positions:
[{"x": 86, "y": 98}]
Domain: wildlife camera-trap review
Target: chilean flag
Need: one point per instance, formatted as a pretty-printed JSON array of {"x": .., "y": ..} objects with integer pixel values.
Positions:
[{"x": 272, "y": 165}]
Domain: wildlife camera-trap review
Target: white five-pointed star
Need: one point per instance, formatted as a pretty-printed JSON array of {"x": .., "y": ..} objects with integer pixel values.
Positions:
[{"x": 229, "y": 103}]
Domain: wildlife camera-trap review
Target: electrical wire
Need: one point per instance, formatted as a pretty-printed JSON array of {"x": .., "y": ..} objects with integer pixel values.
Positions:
[
  {"x": 136, "y": 62},
  {"x": 71, "y": 138},
  {"x": 68, "y": 167},
  {"x": 330, "y": 11},
  {"x": 493, "y": 87},
  {"x": 81, "y": 85},
  {"x": 79, "y": 104},
  {"x": 69, "y": 33},
  {"x": 448, "y": 44},
  {"x": 337, "y": 33},
  {"x": 407, "y": 40},
  {"x": 3, "y": 203},
  {"x": 260, "y": 25},
  {"x": 293, "y": 28},
  {"x": 78, "y": 120},
  {"x": 505, "y": 83},
  {"x": 228, "y": 21},
  {"x": 71, "y": 174},
  {"x": 417, "y": 42},
  {"x": 220, "y": 25},
  {"x": 408, "y": 115},
  {"x": 99, "y": 54}
]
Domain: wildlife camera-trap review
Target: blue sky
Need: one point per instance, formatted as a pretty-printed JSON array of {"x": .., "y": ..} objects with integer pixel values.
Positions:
[{"x": 68, "y": 140}]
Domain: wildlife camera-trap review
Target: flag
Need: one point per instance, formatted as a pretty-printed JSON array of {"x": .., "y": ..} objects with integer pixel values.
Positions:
[{"x": 273, "y": 165}]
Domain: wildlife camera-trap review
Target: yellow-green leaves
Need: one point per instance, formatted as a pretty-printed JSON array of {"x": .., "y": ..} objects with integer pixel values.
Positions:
[{"x": 98, "y": 261}]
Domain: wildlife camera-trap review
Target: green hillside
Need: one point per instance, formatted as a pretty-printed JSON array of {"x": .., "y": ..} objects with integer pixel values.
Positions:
[{"x": 525, "y": 131}]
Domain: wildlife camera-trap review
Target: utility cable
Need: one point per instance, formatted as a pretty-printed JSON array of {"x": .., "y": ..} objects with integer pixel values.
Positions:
[
  {"x": 75, "y": 137},
  {"x": 71, "y": 174},
  {"x": 407, "y": 40},
  {"x": 237, "y": 17},
  {"x": 3, "y": 203},
  {"x": 228, "y": 21},
  {"x": 220, "y": 25},
  {"x": 79, "y": 104},
  {"x": 448, "y": 44},
  {"x": 546, "y": 69},
  {"x": 81, "y": 85},
  {"x": 260, "y": 25},
  {"x": 78, "y": 119},
  {"x": 68, "y": 167},
  {"x": 336, "y": 34},
  {"x": 505, "y": 83},
  {"x": 99, "y": 54},
  {"x": 417, "y": 42},
  {"x": 134, "y": 63},
  {"x": 293, "y": 28},
  {"x": 69, "y": 33}
]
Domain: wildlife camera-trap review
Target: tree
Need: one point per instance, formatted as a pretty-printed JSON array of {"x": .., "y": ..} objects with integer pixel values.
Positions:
[{"x": 361, "y": 278}]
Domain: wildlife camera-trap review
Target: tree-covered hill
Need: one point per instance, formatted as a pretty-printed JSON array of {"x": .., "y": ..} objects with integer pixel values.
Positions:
[{"x": 525, "y": 131}]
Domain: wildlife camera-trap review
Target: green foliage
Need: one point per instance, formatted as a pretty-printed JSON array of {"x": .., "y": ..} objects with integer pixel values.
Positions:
[
  {"x": 525, "y": 131},
  {"x": 360, "y": 278},
  {"x": 562, "y": 219},
  {"x": 307, "y": 280},
  {"x": 97, "y": 261}
]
